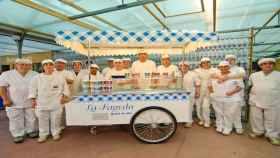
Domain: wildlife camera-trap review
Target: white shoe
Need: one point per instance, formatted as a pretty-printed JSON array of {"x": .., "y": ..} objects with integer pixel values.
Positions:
[
  {"x": 56, "y": 137},
  {"x": 239, "y": 131},
  {"x": 42, "y": 139},
  {"x": 200, "y": 123},
  {"x": 207, "y": 125},
  {"x": 219, "y": 129},
  {"x": 255, "y": 135},
  {"x": 226, "y": 132}
]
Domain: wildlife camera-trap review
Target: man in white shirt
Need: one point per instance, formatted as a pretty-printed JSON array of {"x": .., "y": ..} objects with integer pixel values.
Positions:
[
  {"x": 204, "y": 74},
  {"x": 143, "y": 64},
  {"x": 79, "y": 73},
  {"x": 14, "y": 91},
  {"x": 264, "y": 101},
  {"x": 118, "y": 70},
  {"x": 110, "y": 63},
  {"x": 167, "y": 71},
  {"x": 48, "y": 91},
  {"x": 225, "y": 99},
  {"x": 191, "y": 84},
  {"x": 94, "y": 74},
  {"x": 127, "y": 63}
]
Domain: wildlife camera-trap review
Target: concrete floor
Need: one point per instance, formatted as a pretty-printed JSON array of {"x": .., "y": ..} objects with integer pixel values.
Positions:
[{"x": 114, "y": 142}]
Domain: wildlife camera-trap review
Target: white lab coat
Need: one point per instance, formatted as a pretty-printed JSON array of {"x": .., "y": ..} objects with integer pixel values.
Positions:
[
  {"x": 265, "y": 103},
  {"x": 203, "y": 102},
  {"x": 97, "y": 77},
  {"x": 226, "y": 107},
  {"x": 143, "y": 67},
  {"x": 77, "y": 85},
  {"x": 48, "y": 90},
  {"x": 105, "y": 70},
  {"x": 190, "y": 81},
  {"x": 21, "y": 116},
  {"x": 114, "y": 72}
]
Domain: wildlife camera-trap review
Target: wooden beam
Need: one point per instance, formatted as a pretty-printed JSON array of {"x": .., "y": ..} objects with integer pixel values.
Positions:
[
  {"x": 56, "y": 14},
  {"x": 79, "y": 8}
]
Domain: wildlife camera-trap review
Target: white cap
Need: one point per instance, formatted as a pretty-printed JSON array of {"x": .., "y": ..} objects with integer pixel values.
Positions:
[
  {"x": 224, "y": 63},
  {"x": 47, "y": 61},
  {"x": 23, "y": 61},
  {"x": 94, "y": 66},
  {"x": 263, "y": 60},
  {"x": 142, "y": 52},
  {"x": 164, "y": 56},
  {"x": 77, "y": 61},
  {"x": 126, "y": 59},
  {"x": 204, "y": 59},
  {"x": 110, "y": 59},
  {"x": 183, "y": 63},
  {"x": 230, "y": 56},
  {"x": 61, "y": 60},
  {"x": 117, "y": 60}
]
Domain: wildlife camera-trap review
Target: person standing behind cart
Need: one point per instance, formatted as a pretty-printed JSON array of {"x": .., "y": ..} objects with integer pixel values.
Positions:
[
  {"x": 167, "y": 72},
  {"x": 14, "y": 91},
  {"x": 94, "y": 74},
  {"x": 225, "y": 99},
  {"x": 204, "y": 73},
  {"x": 79, "y": 73},
  {"x": 141, "y": 67},
  {"x": 264, "y": 101},
  {"x": 127, "y": 64},
  {"x": 191, "y": 84},
  {"x": 110, "y": 63},
  {"x": 48, "y": 91}
]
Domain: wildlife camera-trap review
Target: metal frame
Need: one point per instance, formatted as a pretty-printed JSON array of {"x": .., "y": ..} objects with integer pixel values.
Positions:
[
  {"x": 182, "y": 14},
  {"x": 115, "y": 8}
]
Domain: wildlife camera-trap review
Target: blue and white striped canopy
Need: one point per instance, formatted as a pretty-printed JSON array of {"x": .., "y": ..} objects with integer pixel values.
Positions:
[{"x": 118, "y": 37}]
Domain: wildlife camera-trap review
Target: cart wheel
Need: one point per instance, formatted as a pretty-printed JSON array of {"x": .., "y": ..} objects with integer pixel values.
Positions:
[{"x": 153, "y": 125}]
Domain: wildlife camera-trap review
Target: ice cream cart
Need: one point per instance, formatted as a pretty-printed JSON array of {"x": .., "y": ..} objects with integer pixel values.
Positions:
[{"x": 151, "y": 112}]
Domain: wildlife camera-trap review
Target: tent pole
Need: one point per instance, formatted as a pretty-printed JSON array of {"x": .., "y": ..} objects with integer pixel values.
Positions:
[{"x": 250, "y": 51}]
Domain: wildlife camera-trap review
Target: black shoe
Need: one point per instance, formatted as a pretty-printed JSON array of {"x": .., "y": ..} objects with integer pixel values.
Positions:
[{"x": 18, "y": 140}]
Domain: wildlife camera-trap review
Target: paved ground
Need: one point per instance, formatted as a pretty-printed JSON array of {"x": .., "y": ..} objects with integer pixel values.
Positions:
[{"x": 114, "y": 142}]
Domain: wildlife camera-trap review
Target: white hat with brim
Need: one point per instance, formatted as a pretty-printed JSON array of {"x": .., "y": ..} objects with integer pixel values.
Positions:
[
  {"x": 165, "y": 56},
  {"x": 77, "y": 61},
  {"x": 47, "y": 61},
  {"x": 205, "y": 59},
  {"x": 118, "y": 60},
  {"x": 126, "y": 59},
  {"x": 183, "y": 63},
  {"x": 224, "y": 63},
  {"x": 264, "y": 60},
  {"x": 61, "y": 60},
  {"x": 142, "y": 52},
  {"x": 23, "y": 61},
  {"x": 230, "y": 56},
  {"x": 110, "y": 59},
  {"x": 94, "y": 66}
]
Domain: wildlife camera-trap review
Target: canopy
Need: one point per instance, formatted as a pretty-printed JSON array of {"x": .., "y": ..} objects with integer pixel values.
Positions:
[{"x": 102, "y": 43}]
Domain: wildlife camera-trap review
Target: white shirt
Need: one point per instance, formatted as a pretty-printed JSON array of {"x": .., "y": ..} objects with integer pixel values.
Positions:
[
  {"x": 48, "y": 89},
  {"x": 106, "y": 70},
  {"x": 17, "y": 87},
  {"x": 220, "y": 90},
  {"x": 77, "y": 85},
  {"x": 143, "y": 67},
  {"x": 115, "y": 72},
  {"x": 237, "y": 70},
  {"x": 96, "y": 77},
  {"x": 190, "y": 81},
  {"x": 265, "y": 92},
  {"x": 66, "y": 74},
  {"x": 171, "y": 70},
  {"x": 204, "y": 75}
]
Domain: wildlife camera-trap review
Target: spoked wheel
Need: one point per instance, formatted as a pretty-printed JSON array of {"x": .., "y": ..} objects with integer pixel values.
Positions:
[{"x": 153, "y": 125}]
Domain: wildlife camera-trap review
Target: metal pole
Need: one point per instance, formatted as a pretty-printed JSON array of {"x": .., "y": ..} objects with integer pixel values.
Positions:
[
  {"x": 19, "y": 43},
  {"x": 250, "y": 51},
  {"x": 89, "y": 75}
]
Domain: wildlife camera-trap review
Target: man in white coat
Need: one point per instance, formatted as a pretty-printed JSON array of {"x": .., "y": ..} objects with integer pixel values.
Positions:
[
  {"x": 79, "y": 73},
  {"x": 191, "y": 84},
  {"x": 14, "y": 91},
  {"x": 110, "y": 66},
  {"x": 204, "y": 74},
  {"x": 48, "y": 92},
  {"x": 264, "y": 101}
]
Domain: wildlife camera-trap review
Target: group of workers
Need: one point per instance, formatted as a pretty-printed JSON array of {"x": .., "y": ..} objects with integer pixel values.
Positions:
[{"x": 35, "y": 102}]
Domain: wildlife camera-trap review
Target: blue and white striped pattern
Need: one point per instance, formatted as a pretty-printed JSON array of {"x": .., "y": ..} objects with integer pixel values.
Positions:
[
  {"x": 113, "y": 37},
  {"x": 135, "y": 97}
]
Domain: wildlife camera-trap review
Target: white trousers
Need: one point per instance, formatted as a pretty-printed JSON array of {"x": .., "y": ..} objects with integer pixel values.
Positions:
[
  {"x": 21, "y": 121},
  {"x": 237, "y": 116},
  {"x": 265, "y": 121},
  {"x": 189, "y": 110},
  {"x": 203, "y": 109},
  {"x": 226, "y": 113},
  {"x": 49, "y": 121}
]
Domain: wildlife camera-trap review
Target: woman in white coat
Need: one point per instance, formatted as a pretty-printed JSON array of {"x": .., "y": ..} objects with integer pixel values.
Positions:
[{"x": 48, "y": 92}]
